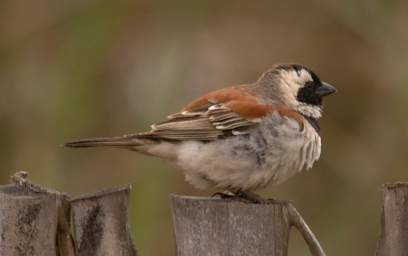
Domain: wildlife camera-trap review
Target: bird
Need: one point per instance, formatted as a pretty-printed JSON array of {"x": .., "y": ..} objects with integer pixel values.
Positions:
[{"x": 240, "y": 138}]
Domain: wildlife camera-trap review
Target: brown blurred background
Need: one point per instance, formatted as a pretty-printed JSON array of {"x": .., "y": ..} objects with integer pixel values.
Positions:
[{"x": 89, "y": 68}]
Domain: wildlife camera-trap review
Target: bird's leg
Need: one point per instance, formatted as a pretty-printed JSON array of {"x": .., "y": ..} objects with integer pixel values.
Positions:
[
  {"x": 224, "y": 195},
  {"x": 234, "y": 195},
  {"x": 244, "y": 196},
  {"x": 240, "y": 195},
  {"x": 254, "y": 198},
  {"x": 250, "y": 196}
]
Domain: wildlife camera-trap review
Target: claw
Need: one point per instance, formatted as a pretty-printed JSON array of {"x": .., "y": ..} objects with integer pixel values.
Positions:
[
  {"x": 243, "y": 196},
  {"x": 223, "y": 195}
]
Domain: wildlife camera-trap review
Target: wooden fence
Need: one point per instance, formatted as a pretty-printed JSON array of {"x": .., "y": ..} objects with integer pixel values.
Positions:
[{"x": 39, "y": 221}]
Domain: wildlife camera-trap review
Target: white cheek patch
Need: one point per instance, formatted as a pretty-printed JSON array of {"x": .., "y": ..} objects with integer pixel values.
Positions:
[{"x": 293, "y": 80}]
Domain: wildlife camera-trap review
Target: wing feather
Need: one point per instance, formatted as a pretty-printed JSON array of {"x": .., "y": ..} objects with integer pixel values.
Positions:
[
  {"x": 227, "y": 112},
  {"x": 211, "y": 123},
  {"x": 191, "y": 123}
]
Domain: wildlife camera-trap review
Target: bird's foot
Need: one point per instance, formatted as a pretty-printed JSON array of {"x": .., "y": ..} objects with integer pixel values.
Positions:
[
  {"x": 250, "y": 197},
  {"x": 223, "y": 195},
  {"x": 230, "y": 196},
  {"x": 243, "y": 196}
]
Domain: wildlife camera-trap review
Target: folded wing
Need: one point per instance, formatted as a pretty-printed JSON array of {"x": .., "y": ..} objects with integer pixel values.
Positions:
[{"x": 226, "y": 112}]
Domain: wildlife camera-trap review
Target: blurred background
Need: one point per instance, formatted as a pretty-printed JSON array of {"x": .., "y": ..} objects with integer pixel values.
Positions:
[{"x": 90, "y": 68}]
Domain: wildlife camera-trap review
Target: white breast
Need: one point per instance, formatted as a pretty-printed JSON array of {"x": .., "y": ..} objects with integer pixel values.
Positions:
[
  {"x": 290, "y": 150},
  {"x": 271, "y": 153}
]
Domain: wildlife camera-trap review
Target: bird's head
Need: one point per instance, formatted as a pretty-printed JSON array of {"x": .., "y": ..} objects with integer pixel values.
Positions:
[{"x": 295, "y": 86}]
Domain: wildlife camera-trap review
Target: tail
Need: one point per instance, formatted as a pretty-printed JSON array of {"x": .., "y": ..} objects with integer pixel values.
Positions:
[{"x": 127, "y": 142}]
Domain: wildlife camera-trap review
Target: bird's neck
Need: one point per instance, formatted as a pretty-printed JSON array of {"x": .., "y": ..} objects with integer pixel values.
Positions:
[
  {"x": 308, "y": 110},
  {"x": 272, "y": 95}
]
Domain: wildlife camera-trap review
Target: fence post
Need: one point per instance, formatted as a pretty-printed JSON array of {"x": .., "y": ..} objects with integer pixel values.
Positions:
[
  {"x": 209, "y": 226},
  {"x": 394, "y": 221},
  {"x": 39, "y": 221},
  {"x": 28, "y": 222},
  {"x": 101, "y": 226}
]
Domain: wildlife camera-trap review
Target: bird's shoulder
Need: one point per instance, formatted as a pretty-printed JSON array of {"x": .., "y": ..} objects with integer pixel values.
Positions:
[{"x": 241, "y": 99}]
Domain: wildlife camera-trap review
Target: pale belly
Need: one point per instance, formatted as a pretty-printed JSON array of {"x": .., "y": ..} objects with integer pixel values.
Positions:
[{"x": 248, "y": 162}]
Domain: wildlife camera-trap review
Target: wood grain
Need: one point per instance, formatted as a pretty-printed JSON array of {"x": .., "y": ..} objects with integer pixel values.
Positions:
[
  {"x": 40, "y": 221},
  {"x": 394, "y": 221},
  {"x": 217, "y": 227}
]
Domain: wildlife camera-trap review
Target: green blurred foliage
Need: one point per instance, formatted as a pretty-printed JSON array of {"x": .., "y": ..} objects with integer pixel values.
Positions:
[{"x": 89, "y": 68}]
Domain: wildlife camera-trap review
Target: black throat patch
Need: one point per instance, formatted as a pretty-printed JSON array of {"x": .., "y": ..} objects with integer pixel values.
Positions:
[{"x": 314, "y": 122}]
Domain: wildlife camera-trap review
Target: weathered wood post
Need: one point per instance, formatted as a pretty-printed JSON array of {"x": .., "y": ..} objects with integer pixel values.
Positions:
[
  {"x": 39, "y": 221},
  {"x": 393, "y": 239},
  {"x": 209, "y": 227},
  {"x": 100, "y": 222},
  {"x": 28, "y": 222}
]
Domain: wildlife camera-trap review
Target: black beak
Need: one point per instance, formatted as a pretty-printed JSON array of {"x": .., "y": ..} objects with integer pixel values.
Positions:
[{"x": 325, "y": 89}]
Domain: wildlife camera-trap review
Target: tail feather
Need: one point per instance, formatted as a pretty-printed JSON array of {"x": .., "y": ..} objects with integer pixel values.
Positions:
[{"x": 123, "y": 142}]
